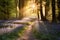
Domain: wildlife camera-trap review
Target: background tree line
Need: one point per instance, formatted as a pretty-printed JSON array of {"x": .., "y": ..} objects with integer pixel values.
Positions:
[
  {"x": 51, "y": 9},
  {"x": 7, "y": 9},
  {"x": 10, "y": 9}
]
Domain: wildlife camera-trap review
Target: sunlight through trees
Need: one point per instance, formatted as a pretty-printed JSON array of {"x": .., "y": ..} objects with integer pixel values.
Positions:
[{"x": 18, "y": 9}]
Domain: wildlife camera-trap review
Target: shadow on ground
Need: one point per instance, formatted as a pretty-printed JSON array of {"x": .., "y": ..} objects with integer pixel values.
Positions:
[{"x": 12, "y": 35}]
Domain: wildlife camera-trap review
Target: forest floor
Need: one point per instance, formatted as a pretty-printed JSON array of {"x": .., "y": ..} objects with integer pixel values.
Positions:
[
  {"x": 9, "y": 25},
  {"x": 28, "y": 34},
  {"x": 50, "y": 30},
  {"x": 12, "y": 28},
  {"x": 42, "y": 27}
]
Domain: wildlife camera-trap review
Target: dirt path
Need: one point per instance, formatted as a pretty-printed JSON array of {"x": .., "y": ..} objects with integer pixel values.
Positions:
[{"x": 28, "y": 35}]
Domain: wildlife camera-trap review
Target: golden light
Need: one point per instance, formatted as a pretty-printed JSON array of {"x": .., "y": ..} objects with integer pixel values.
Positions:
[
  {"x": 30, "y": 9},
  {"x": 33, "y": 6}
]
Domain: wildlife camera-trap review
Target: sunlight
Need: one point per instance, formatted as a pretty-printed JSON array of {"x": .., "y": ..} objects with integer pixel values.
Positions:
[
  {"x": 33, "y": 6},
  {"x": 43, "y": 7},
  {"x": 30, "y": 9},
  {"x": 17, "y": 9}
]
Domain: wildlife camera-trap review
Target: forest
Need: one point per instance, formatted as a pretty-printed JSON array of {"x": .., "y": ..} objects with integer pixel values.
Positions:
[
  {"x": 48, "y": 9},
  {"x": 29, "y": 19}
]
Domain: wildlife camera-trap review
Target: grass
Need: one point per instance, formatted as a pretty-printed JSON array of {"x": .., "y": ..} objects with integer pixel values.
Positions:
[
  {"x": 42, "y": 36},
  {"x": 58, "y": 34},
  {"x": 13, "y": 35}
]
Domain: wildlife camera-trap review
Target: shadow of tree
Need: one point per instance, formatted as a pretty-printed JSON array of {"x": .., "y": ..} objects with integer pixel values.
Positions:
[{"x": 47, "y": 29}]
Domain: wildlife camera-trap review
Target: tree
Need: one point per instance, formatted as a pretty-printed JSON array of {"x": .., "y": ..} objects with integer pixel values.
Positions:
[
  {"x": 59, "y": 10},
  {"x": 46, "y": 8},
  {"x": 53, "y": 11},
  {"x": 21, "y": 5},
  {"x": 3, "y": 9},
  {"x": 7, "y": 9},
  {"x": 41, "y": 10}
]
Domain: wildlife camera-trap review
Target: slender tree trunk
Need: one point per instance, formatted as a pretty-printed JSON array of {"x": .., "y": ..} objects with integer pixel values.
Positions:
[
  {"x": 38, "y": 8},
  {"x": 17, "y": 9},
  {"x": 53, "y": 11},
  {"x": 56, "y": 8},
  {"x": 16, "y": 3},
  {"x": 43, "y": 7},
  {"x": 46, "y": 8},
  {"x": 50, "y": 10},
  {"x": 59, "y": 10},
  {"x": 21, "y": 5},
  {"x": 41, "y": 10}
]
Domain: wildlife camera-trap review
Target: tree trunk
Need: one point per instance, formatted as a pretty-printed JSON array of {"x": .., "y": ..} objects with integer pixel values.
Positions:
[
  {"x": 16, "y": 3},
  {"x": 59, "y": 10},
  {"x": 53, "y": 11},
  {"x": 21, "y": 5},
  {"x": 41, "y": 10},
  {"x": 46, "y": 8}
]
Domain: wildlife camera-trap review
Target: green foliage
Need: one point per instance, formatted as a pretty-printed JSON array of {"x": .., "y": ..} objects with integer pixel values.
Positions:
[
  {"x": 7, "y": 7},
  {"x": 42, "y": 36}
]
